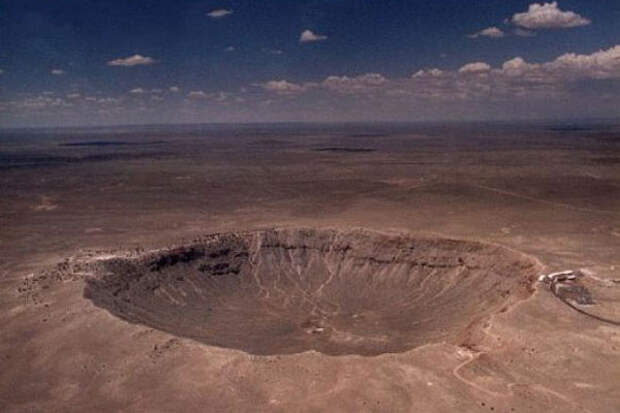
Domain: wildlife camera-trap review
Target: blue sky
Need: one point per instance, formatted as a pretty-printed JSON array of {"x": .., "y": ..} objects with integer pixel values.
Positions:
[{"x": 77, "y": 62}]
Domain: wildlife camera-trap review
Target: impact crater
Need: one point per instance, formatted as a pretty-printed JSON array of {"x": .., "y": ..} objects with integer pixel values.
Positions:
[{"x": 338, "y": 292}]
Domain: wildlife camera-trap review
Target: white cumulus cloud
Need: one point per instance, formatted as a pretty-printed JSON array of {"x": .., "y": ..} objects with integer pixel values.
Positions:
[
  {"x": 428, "y": 72},
  {"x": 548, "y": 16},
  {"x": 134, "y": 60},
  {"x": 517, "y": 67},
  {"x": 476, "y": 67},
  {"x": 309, "y": 36},
  {"x": 604, "y": 64},
  {"x": 137, "y": 91}
]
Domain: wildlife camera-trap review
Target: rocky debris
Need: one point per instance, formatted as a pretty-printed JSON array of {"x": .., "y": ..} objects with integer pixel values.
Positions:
[{"x": 83, "y": 264}]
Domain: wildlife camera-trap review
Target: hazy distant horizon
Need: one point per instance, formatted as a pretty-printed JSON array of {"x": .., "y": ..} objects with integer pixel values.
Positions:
[{"x": 301, "y": 125}]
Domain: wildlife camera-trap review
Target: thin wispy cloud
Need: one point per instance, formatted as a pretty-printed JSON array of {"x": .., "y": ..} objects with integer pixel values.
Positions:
[
  {"x": 219, "y": 13},
  {"x": 366, "y": 83},
  {"x": 135, "y": 60},
  {"x": 492, "y": 32},
  {"x": 197, "y": 94},
  {"x": 309, "y": 36},
  {"x": 283, "y": 87},
  {"x": 273, "y": 51},
  {"x": 524, "y": 33},
  {"x": 57, "y": 72},
  {"x": 108, "y": 101}
]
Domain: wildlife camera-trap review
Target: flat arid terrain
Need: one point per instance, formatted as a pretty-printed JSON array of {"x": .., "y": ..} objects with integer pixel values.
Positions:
[{"x": 311, "y": 268}]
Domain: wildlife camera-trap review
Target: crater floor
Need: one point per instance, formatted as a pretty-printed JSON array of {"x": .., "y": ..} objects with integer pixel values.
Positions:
[{"x": 336, "y": 292}]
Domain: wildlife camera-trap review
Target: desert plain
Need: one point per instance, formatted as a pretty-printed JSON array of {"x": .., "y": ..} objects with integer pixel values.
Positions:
[{"x": 103, "y": 229}]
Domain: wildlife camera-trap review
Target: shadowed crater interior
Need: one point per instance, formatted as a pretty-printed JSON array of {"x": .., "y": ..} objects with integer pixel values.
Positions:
[{"x": 337, "y": 292}]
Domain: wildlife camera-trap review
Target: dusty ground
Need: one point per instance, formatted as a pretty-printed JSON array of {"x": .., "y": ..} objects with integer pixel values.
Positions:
[{"x": 552, "y": 193}]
